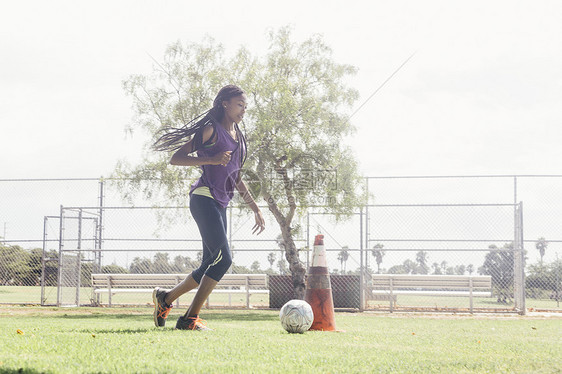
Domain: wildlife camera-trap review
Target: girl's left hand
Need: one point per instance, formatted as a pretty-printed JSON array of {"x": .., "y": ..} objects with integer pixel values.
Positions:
[{"x": 260, "y": 223}]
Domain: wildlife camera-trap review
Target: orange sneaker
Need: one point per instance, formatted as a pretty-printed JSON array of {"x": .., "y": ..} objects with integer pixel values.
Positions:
[
  {"x": 161, "y": 309},
  {"x": 192, "y": 323}
]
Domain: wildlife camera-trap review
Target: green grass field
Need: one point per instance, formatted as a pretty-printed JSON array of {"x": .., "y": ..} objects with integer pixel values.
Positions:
[{"x": 119, "y": 340}]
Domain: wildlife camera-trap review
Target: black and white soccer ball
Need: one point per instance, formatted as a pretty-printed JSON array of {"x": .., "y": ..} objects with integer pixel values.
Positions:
[{"x": 296, "y": 316}]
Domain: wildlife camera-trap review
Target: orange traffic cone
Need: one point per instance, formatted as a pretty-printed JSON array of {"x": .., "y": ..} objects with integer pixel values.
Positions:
[{"x": 319, "y": 290}]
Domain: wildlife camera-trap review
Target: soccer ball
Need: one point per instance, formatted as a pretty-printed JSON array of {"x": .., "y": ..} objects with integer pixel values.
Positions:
[{"x": 296, "y": 316}]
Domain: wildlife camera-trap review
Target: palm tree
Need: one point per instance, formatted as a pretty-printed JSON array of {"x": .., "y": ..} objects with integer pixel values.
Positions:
[
  {"x": 378, "y": 254},
  {"x": 436, "y": 268},
  {"x": 541, "y": 245},
  {"x": 421, "y": 259},
  {"x": 271, "y": 259},
  {"x": 343, "y": 256}
]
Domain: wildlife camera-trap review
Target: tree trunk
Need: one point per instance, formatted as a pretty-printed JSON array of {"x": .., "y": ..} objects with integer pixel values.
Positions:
[
  {"x": 295, "y": 265},
  {"x": 291, "y": 252}
]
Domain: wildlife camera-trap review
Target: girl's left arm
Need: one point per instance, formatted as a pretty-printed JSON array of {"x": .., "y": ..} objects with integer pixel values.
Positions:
[{"x": 248, "y": 199}]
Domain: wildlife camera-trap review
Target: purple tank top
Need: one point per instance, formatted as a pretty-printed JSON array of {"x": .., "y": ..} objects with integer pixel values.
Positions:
[{"x": 221, "y": 180}]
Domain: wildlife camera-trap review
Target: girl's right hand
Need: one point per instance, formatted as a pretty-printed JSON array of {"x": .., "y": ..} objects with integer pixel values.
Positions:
[{"x": 221, "y": 158}]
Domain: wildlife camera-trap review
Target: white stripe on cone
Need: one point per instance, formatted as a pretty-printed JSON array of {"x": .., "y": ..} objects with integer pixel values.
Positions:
[{"x": 319, "y": 256}]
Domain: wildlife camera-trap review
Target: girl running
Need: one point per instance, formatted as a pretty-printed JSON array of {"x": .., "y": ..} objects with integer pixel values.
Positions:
[{"x": 221, "y": 152}]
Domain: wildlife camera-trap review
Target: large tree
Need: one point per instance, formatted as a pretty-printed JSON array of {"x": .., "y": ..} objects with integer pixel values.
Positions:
[
  {"x": 500, "y": 264},
  {"x": 295, "y": 124}
]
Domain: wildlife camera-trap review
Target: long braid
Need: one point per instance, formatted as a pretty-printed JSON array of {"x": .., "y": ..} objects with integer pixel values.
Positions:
[
  {"x": 243, "y": 146},
  {"x": 175, "y": 137}
]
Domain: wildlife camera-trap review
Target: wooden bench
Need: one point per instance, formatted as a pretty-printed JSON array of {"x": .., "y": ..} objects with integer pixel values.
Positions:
[
  {"x": 392, "y": 285},
  {"x": 111, "y": 284}
]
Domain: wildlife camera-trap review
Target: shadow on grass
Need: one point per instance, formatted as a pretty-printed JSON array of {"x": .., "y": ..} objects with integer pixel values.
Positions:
[
  {"x": 127, "y": 331},
  {"x": 21, "y": 370},
  {"x": 205, "y": 314},
  {"x": 211, "y": 316},
  {"x": 250, "y": 316},
  {"x": 107, "y": 316}
]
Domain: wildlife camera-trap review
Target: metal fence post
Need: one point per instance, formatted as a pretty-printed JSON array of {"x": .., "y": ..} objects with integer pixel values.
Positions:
[
  {"x": 470, "y": 286},
  {"x": 231, "y": 249},
  {"x": 519, "y": 262},
  {"x": 361, "y": 264},
  {"x": 96, "y": 267},
  {"x": 522, "y": 254},
  {"x": 391, "y": 286},
  {"x": 230, "y": 233},
  {"x": 79, "y": 258},
  {"x": 43, "y": 260},
  {"x": 97, "y": 257},
  {"x": 367, "y": 224},
  {"x": 61, "y": 246},
  {"x": 95, "y": 297}
]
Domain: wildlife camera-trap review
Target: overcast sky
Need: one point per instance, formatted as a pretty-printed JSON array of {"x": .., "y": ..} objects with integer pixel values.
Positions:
[{"x": 482, "y": 95}]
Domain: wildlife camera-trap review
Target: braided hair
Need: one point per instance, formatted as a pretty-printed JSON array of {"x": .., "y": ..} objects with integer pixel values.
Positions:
[{"x": 175, "y": 137}]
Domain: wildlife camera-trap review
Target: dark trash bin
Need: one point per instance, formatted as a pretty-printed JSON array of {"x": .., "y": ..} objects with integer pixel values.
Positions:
[
  {"x": 345, "y": 290},
  {"x": 280, "y": 290}
]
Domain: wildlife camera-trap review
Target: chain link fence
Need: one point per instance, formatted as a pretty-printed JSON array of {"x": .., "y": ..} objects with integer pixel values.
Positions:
[{"x": 489, "y": 243}]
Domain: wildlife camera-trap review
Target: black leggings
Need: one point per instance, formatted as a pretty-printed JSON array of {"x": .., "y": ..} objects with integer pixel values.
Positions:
[{"x": 211, "y": 220}]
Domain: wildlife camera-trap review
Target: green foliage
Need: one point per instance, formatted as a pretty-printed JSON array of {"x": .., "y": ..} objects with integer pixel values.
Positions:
[
  {"x": 240, "y": 269},
  {"x": 419, "y": 266},
  {"x": 113, "y": 269},
  {"x": 297, "y": 126},
  {"x": 544, "y": 280},
  {"x": 161, "y": 264},
  {"x": 22, "y": 267},
  {"x": 297, "y": 98},
  {"x": 460, "y": 269},
  {"x": 398, "y": 269},
  {"x": 436, "y": 268},
  {"x": 499, "y": 264},
  {"x": 255, "y": 267},
  {"x": 421, "y": 260}
]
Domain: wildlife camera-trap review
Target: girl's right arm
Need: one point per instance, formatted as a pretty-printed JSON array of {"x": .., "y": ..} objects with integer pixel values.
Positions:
[{"x": 181, "y": 156}]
